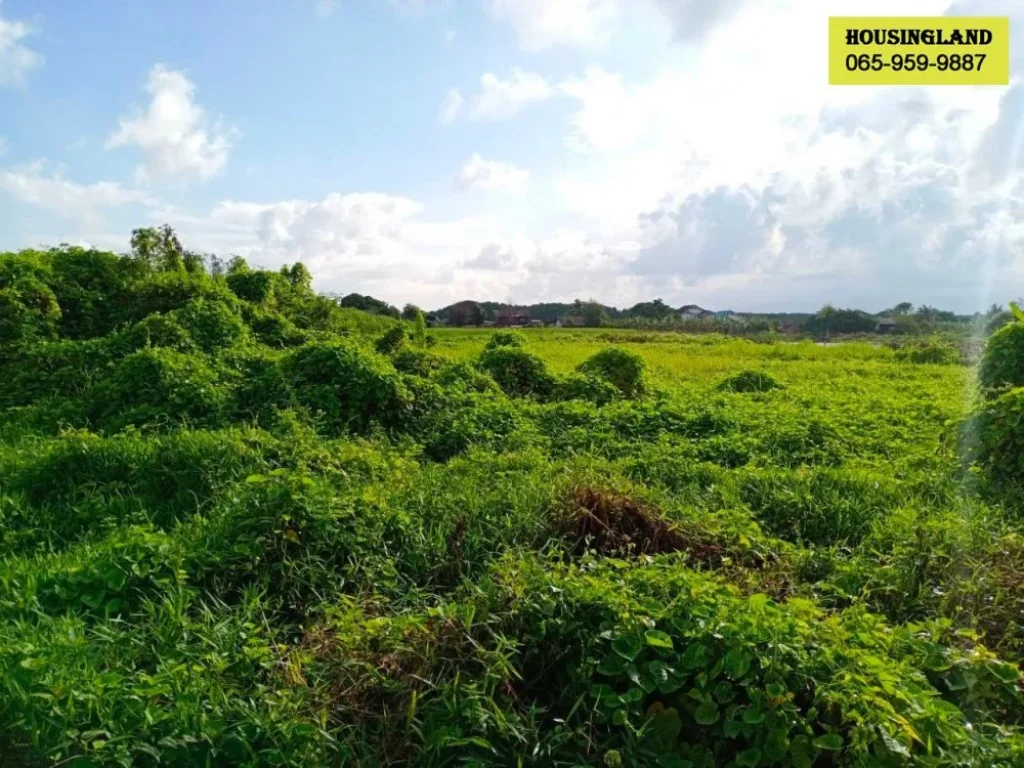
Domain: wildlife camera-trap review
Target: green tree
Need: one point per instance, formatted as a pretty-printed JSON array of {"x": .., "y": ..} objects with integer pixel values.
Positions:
[{"x": 410, "y": 311}]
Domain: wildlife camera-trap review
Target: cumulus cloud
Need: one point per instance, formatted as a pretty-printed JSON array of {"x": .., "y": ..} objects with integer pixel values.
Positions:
[
  {"x": 17, "y": 60},
  {"x": 542, "y": 23},
  {"x": 177, "y": 139},
  {"x": 450, "y": 107},
  {"x": 491, "y": 175},
  {"x": 41, "y": 185},
  {"x": 501, "y": 99}
]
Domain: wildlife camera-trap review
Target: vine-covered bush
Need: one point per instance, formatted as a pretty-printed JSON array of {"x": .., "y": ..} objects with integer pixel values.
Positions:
[
  {"x": 519, "y": 373},
  {"x": 624, "y": 369},
  {"x": 749, "y": 381},
  {"x": 1002, "y": 363},
  {"x": 346, "y": 387}
]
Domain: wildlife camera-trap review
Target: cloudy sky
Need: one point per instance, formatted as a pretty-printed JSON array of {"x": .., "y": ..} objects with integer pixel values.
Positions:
[{"x": 522, "y": 150}]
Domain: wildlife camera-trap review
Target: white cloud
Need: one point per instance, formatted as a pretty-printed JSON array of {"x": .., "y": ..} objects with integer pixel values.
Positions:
[
  {"x": 40, "y": 185},
  {"x": 450, "y": 107},
  {"x": 491, "y": 175},
  {"x": 501, "y": 99},
  {"x": 16, "y": 59},
  {"x": 174, "y": 133},
  {"x": 543, "y": 23}
]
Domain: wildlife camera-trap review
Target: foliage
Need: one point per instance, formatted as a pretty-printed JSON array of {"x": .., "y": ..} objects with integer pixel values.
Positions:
[
  {"x": 1002, "y": 364},
  {"x": 233, "y": 533},
  {"x": 622, "y": 368},
  {"x": 519, "y": 373},
  {"x": 506, "y": 339},
  {"x": 344, "y": 386},
  {"x": 749, "y": 381}
]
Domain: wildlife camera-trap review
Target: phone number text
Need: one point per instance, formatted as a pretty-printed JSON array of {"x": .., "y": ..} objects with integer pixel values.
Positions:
[{"x": 915, "y": 62}]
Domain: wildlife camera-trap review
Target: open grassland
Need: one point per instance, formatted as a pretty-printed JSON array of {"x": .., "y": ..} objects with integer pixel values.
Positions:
[{"x": 241, "y": 526}]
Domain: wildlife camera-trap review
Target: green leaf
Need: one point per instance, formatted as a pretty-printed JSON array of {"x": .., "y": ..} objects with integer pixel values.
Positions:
[
  {"x": 753, "y": 716},
  {"x": 707, "y": 713},
  {"x": 612, "y": 665},
  {"x": 253, "y": 479},
  {"x": 832, "y": 742},
  {"x": 774, "y": 690},
  {"x": 737, "y": 663},
  {"x": 627, "y": 646},
  {"x": 657, "y": 639},
  {"x": 1017, "y": 311},
  {"x": 749, "y": 758}
]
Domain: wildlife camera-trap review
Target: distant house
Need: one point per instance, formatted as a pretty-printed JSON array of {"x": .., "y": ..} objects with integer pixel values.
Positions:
[
  {"x": 570, "y": 321},
  {"x": 694, "y": 312},
  {"x": 536, "y": 323},
  {"x": 789, "y": 327},
  {"x": 886, "y": 325},
  {"x": 510, "y": 317}
]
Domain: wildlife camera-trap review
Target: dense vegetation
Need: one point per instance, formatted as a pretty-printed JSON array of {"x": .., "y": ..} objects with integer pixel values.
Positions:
[{"x": 241, "y": 524}]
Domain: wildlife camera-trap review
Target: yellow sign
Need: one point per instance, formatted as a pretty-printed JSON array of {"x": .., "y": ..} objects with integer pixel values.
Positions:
[{"x": 919, "y": 50}]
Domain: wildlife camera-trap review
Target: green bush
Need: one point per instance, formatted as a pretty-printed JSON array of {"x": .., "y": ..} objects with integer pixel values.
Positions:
[
  {"x": 578, "y": 386},
  {"x": 624, "y": 369},
  {"x": 212, "y": 324},
  {"x": 1002, "y": 363},
  {"x": 28, "y": 310},
  {"x": 928, "y": 354},
  {"x": 417, "y": 362},
  {"x": 749, "y": 381},
  {"x": 391, "y": 341},
  {"x": 346, "y": 387},
  {"x": 158, "y": 387},
  {"x": 519, "y": 373},
  {"x": 157, "y": 330},
  {"x": 256, "y": 287},
  {"x": 506, "y": 339},
  {"x": 465, "y": 378},
  {"x": 996, "y": 432}
]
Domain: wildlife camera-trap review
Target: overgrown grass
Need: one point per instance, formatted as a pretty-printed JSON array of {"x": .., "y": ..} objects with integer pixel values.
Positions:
[{"x": 240, "y": 527}]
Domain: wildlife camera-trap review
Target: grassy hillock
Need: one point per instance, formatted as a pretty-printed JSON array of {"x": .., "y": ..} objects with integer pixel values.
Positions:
[{"x": 243, "y": 525}]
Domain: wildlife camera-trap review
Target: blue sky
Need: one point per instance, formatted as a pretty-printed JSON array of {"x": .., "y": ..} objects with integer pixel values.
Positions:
[{"x": 523, "y": 150}]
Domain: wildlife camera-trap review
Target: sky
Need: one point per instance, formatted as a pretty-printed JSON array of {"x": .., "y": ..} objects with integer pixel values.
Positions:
[{"x": 429, "y": 151}]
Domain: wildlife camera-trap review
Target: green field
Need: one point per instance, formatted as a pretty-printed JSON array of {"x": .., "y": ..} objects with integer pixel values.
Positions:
[{"x": 242, "y": 526}]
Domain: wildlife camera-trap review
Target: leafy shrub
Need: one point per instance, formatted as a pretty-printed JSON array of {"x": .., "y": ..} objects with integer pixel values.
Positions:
[
  {"x": 157, "y": 330},
  {"x": 254, "y": 286},
  {"x": 578, "y": 386},
  {"x": 391, "y": 341},
  {"x": 28, "y": 310},
  {"x": 928, "y": 354},
  {"x": 465, "y": 377},
  {"x": 417, "y": 362},
  {"x": 996, "y": 430},
  {"x": 621, "y": 367},
  {"x": 1002, "y": 364},
  {"x": 749, "y": 381},
  {"x": 158, "y": 386},
  {"x": 519, "y": 373},
  {"x": 212, "y": 324},
  {"x": 488, "y": 422},
  {"x": 273, "y": 329},
  {"x": 506, "y": 339},
  {"x": 345, "y": 386}
]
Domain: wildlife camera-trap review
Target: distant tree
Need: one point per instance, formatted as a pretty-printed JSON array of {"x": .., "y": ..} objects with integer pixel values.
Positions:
[
  {"x": 419, "y": 331},
  {"x": 832, "y": 320},
  {"x": 298, "y": 275},
  {"x": 158, "y": 248},
  {"x": 410, "y": 311},
  {"x": 465, "y": 313},
  {"x": 903, "y": 308},
  {"x": 593, "y": 314},
  {"x": 237, "y": 264},
  {"x": 370, "y": 304}
]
